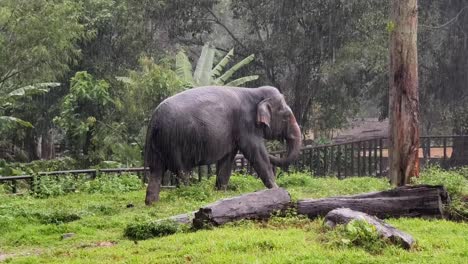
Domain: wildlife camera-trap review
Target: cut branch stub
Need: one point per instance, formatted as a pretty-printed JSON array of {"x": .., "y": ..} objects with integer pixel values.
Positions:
[{"x": 257, "y": 205}]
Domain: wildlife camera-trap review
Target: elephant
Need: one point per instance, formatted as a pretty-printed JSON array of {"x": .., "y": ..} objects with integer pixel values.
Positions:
[{"x": 211, "y": 124}]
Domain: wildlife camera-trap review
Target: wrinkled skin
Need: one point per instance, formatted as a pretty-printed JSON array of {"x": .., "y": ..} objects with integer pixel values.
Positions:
[{"x": 209, "y": 125}]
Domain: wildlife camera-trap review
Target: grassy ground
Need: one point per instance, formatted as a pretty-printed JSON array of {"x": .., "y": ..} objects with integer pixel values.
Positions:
[{"x": 31, "y": 229}]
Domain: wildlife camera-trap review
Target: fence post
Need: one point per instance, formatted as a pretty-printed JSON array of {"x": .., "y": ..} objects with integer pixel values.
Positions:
[
  {"x": 445, "y": 151},
  {"x": 310, "y": 159},
  {"x": 359, "y": 158},
  {"x": 369, "y": 151},
  {"x": 345, "y": 171},
  {"x": 325, "y": 163},
  {"x": 14, "y": 186},
  {"x": 375, "y": 156},
  {"x": 338, "y": 160},
  {"x": 352, "y": 159},
  {"x": 381, "y": 156}
]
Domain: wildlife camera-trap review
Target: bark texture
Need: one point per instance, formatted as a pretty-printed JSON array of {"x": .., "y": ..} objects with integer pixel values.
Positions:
[
  {"x": 346, "y": 215},
  {"x": 403, "y": 95},
  {"x": 406, "y": 201},
  {"x": 257, "y": 205}
]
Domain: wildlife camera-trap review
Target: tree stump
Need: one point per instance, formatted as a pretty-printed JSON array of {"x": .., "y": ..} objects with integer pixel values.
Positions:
[
  {"x": 346, "y": 215},
  {"x": 257, "y": 205},
  {"x": 406, "y": 201}
]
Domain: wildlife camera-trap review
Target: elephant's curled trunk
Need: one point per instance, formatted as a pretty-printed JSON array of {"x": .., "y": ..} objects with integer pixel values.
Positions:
[{"x": 293, "y": 142}]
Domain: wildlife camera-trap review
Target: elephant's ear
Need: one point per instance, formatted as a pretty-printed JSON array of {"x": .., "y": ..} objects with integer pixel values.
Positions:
[{"x": 264, "y": 112}]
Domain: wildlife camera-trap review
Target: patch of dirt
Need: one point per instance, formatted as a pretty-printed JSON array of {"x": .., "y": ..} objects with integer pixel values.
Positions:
[{"x": 4, "y": 257}]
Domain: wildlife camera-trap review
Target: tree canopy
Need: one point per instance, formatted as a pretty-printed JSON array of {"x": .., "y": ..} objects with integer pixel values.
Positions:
[{"x": 115, "y": 60}]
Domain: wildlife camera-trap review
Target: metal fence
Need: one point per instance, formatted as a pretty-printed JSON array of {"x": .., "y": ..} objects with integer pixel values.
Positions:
[{"x": 358, "y": 158}]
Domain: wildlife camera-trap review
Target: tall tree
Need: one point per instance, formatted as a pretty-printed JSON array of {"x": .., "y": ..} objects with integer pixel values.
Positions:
[
  {"x": 404, "y": 98},
  {"x": 37, "y": 41}
]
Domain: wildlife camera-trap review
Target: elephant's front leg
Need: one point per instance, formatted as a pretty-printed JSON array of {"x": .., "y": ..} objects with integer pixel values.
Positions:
[
  {"x": 257, "y": 154},
  {"x": 154, "y": 184},
  {"x": 223, "y": 170}
]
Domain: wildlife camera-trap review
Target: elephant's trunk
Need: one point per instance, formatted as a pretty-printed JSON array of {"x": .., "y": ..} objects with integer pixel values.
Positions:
[{"x": 294, "y": 143}]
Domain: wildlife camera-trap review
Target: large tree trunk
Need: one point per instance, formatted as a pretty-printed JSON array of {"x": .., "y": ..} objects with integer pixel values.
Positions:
[
  {"x": 406, "y": 201},
  {"x": 404, "y": 98},
  {"x": 257, "y": 205}
]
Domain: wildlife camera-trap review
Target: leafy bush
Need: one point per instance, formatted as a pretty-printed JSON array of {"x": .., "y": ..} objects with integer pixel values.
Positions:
[
  {"x": 356, "y": 233},
  {"x": 112, "y": 184},
  {"x": 454, "y": 180},
  {"x": 57, "y": 217},
  {"x": 49, "y": 186},
  {"x": 456, "y": 183},
  {"x": 198, "y": 192},
  {"x": 146, "y": 230},
  {"x": 296, "y": 179},
  {"x": 3, "y": 189},
  {"x": 243, "y": 183}
]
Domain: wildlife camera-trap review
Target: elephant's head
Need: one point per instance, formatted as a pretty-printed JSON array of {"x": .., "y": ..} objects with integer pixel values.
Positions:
[{"x": 279, "y": 123}]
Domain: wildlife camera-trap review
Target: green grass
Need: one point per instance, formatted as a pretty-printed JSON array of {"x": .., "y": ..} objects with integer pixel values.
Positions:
[{"x": 31, "y": 229}]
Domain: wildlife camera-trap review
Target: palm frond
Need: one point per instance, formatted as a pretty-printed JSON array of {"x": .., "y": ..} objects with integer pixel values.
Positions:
[
  {"x": 184, "y": 68},
  {"x": 221, "y": 80},
  {"x": 220, "y": 66},
  {"x": 9, "y": 120},
  {"x": 33, "y": 89},
  {"x": 242, "y": 80},
  {"x": 202, "y": 75}
]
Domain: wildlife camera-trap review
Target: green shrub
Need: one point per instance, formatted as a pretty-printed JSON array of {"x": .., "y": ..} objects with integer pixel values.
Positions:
[
  {"x": 456, "y": 183},
  {"x": 296, "y": 180},
  {"x": 201, "y": 192},
  {"x": 4, "y": 189},
  {"x": 50, "y": 186},
  {"x": 112, "y": 184},
  {"x": 146, "y": 230},
  {"x": 357, "y": 233},
  {"x": 56, "y": 217},
  {"x": 243, "y": 183}
]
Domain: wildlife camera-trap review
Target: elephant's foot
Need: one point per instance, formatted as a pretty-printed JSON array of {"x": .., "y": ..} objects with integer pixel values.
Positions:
[
  {"x": 221, "y": 187},
  {"x": 271, "y": 185},
  {"x": 151, "y": 198}
]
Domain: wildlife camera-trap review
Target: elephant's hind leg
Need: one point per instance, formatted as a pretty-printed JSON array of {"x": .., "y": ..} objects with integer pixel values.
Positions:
[
  {"x": 154, "y": 184},
  {"x": 223, "y": 170}
]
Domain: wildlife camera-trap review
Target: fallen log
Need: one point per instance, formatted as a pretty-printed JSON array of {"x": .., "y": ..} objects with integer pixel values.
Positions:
[
  {"x": 346, "y": 215},
  {"x": 406, "y": 201},
  {"x": 257, "y": 205}
]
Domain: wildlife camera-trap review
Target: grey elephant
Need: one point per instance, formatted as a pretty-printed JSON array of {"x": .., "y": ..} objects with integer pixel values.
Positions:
[{"x": 211, "y": 124}]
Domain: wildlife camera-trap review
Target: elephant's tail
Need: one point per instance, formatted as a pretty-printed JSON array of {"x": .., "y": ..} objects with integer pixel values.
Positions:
[{"x": 149, "y": 150}]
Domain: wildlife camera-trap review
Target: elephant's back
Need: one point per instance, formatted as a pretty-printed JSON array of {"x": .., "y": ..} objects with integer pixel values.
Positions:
[{"x": 198, "y": 123}]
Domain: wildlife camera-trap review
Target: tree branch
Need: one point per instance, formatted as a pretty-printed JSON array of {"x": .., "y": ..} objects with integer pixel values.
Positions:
[
  {"x": 448, "y": 22},
  {"x": 217, "y": 21}
]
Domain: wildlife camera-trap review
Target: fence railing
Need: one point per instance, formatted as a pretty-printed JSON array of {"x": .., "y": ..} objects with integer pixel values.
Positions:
[{"x": 357, "y": 158}]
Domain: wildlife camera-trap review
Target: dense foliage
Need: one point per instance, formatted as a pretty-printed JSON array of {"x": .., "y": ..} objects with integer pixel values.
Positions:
[{"x": 115, "y": 60}]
